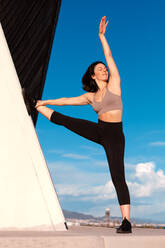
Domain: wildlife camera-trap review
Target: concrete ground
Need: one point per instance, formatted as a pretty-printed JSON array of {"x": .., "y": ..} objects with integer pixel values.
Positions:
[{"x": 84, "y": 237}]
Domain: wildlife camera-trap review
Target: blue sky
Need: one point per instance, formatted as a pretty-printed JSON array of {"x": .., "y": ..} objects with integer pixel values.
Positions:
[{"x": 79, "y": 167}]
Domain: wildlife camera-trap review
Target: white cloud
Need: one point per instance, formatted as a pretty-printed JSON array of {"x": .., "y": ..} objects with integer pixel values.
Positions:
[
  {"x": 73, "y": 173},
  {"x": 143, "y": 181},
  {"x": 147, "y": 174},
  {"x": 75, "y": 156},
  {"x": 149, "y": 180},
  {"x": 57, "y": 151},
  {"x": 130, "y": 166},
  {"x": 158, "y": 143},
  {"x": 63, "y": 153},
  {"x": 139, "y": 190},
  {"x": 146, "y": 184},
  {"x": 88, "y": 193},
  {"x": 102, "y": 163},
  {"x": 94, "y": 150}
]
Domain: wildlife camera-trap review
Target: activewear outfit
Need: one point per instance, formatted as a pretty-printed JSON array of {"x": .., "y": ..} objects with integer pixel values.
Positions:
[{"x": 108, "y": 134}]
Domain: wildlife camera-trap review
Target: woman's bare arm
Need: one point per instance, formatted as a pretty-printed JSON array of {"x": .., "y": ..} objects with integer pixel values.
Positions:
[
  {"x": 79, "y": 100},
  {"x": 107, "y": 52}
]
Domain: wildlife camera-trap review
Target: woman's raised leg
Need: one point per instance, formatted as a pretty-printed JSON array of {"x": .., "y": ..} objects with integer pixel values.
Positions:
[{"x": 84, "y": 128}]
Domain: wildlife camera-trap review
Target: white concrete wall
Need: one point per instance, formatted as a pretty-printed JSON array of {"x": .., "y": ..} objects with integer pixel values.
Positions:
[{"x": 27, "y": 195}]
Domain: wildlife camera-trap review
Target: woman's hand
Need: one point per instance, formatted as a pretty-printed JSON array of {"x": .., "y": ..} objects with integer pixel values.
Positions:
[
  {"x": 40, "y": 103},
  {"x": 103, "y": 26}
]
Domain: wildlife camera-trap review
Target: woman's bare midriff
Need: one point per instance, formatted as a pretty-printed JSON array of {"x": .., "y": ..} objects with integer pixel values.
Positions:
[{"x": 111, "y": 116}]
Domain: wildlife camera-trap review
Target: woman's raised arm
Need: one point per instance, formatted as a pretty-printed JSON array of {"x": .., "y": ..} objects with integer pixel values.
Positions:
[{"x": 114, "y": 73}]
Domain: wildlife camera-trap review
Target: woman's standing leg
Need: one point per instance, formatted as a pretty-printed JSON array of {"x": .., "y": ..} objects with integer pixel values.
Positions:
[{"x": 115, "y": 155}]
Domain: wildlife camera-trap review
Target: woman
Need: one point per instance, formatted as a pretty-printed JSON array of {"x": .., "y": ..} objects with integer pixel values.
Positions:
[{"x": 104, "y": 94}]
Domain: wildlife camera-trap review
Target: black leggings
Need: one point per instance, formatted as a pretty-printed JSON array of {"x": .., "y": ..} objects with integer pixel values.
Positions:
[{"x": 108, "y": 134}]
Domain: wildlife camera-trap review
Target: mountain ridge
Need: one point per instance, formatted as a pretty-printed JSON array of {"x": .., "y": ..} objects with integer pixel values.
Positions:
[{"x": 76, "y": 215}]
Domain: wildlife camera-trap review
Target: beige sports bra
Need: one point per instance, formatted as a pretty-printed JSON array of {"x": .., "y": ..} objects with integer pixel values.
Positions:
[{"x": 109, "y": 102}]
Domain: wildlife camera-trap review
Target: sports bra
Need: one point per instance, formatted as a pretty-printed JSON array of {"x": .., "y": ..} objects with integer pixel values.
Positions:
[{"x": 110, "y": 101}]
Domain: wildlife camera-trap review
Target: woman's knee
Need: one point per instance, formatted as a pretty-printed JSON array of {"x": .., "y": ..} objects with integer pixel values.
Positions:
[{"x": 118, "y": 179}]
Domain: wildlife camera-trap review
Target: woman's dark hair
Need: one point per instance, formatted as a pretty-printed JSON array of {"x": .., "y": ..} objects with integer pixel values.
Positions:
[{"x": 89, "y": 84}]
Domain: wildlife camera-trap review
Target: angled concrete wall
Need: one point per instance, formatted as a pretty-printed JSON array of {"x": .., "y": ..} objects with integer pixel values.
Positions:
[{"x": 28, "y": 199}]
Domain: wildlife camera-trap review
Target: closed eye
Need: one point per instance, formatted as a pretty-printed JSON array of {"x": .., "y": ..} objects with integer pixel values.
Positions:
[{"x": 100, "y": 68}]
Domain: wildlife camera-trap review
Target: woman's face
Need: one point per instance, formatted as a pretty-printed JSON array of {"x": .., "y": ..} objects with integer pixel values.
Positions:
[{"x": 101, "y": 72}]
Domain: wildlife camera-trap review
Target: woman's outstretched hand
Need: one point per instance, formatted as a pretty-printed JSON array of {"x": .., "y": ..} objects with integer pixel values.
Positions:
[
  {"x": 40, "y": 103},
  {"x": 103, "y": 25}
]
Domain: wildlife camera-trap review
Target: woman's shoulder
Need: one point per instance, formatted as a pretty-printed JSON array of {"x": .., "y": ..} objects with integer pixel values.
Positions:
[{"x": 114, "y": 86}]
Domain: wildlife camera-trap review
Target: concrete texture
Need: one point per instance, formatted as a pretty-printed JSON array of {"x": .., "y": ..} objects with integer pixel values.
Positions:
[{"x": 84, "y": 237}]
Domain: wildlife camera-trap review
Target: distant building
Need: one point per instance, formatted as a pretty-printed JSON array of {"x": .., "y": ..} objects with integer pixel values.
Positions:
[{"x": 107, "y": 216}]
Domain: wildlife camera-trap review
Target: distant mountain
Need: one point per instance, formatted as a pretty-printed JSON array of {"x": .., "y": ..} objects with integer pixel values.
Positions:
[
  {"x": 79, "y": 216},
  {"x": 75, "y": 215}
]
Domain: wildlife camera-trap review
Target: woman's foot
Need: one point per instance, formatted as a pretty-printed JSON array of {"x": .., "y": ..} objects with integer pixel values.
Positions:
[
  {"x": 125, "y": 227},
  {"x": 30, "y": 102}
]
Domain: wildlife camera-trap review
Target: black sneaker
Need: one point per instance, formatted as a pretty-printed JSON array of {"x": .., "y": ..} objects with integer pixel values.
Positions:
[
  {"x": 125, "y": 227},
  {"x": 30, "y": 102}
]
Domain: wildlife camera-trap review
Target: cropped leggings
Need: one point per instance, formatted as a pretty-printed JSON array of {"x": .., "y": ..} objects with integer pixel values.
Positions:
[{"x": 108, "y": 134}]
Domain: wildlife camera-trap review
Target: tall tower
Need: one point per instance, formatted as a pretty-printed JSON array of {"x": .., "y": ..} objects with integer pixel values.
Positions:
[{"x": 107, "y": 216}]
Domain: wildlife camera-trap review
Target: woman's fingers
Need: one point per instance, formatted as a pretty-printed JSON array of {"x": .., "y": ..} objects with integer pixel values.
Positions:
[
  {"x": 103, "y": 25},
  {"x": 39, "y": 103},
  {"x": 36, "y": 105},
  {"x": 106, "y": 24},
  {"x": 103, "y": 19}
]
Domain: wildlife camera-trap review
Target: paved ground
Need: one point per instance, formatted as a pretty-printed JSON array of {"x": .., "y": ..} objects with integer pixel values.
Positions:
[{"x": 85, "y": 237}]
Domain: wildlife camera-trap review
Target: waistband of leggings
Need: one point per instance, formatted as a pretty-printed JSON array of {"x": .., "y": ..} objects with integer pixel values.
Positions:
[{"x": 120, "y": 124}]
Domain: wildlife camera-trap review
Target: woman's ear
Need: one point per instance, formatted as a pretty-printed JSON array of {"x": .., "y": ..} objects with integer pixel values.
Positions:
[{"x": 93, "y": 76}]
